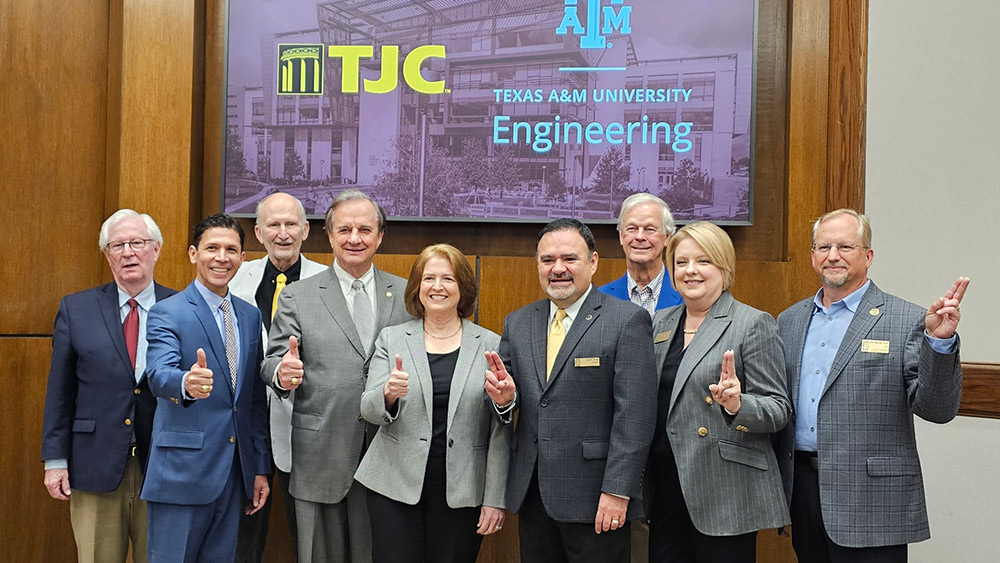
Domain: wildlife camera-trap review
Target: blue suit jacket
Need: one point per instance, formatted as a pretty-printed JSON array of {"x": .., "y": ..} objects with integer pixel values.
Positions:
[
  {"x": 619, "y": 288},
  {"x": 193, "y": 441},
  {"x": 92, "y": 392}
]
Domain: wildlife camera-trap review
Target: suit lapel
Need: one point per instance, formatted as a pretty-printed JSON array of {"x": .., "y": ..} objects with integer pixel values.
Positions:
[
  {"x": 383, "y": 299},
  {"x": 419, "y": 366},
  {"x": 801, "y": 318},
  {"x": 539, "y": 338},
  {"x": 470, "y": 349},
  {"x": 666, "y": 323},
  {"x": 207, "y": 319},
  {"x": 861, "y": 325},
  {"x": 585, "y": 318},
  {"x": 108, "y": 304},
  {"x": 247, "y": 329},
  {"x": 333, "y": 298},
  {"x": 710, "y": 331}
]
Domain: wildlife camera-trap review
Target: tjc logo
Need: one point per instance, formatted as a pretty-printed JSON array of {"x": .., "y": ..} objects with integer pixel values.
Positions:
[{"x": 592, "y": 39}]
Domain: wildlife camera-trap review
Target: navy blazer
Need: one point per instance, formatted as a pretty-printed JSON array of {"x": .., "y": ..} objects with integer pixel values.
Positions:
[
  {"x": 193, "y": 441},
  {"x": 92, "y": 401},
  {"x": 668, "y": 295}
]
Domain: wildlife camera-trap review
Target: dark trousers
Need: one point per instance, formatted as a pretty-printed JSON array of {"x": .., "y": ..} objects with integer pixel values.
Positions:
[
  {"x": 253, "y": 527},
  {"x": 427, "y": 532},
  {"x": 544, "y": 540},
  {"x": 673, "y": 537},
  {"x": 809, "y": 537}
]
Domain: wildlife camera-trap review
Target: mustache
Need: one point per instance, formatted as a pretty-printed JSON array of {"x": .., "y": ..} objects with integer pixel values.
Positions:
[{"x": 562, "y": 277}]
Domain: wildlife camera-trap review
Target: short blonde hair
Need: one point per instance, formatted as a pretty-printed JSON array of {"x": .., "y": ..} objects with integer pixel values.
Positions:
[
  {"x": 864, "y": 224},
  {"x": 464, "y": 275},
  {"x": 714, "y": 242}
]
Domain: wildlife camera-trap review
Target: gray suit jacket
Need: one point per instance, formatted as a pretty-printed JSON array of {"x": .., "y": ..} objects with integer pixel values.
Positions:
[
  {"x": 588, "y": 428},
  {"x": 871, "y": 488},
  {"x": 328, "y": 432},
  {"x": 478, "y": 445},
  {"x": 244, "y": 286},
  {"x": 730, "y": 476}
]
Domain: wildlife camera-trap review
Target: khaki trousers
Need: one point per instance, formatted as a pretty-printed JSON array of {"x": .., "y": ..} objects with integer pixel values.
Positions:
[{"x": 104, "y": 522}]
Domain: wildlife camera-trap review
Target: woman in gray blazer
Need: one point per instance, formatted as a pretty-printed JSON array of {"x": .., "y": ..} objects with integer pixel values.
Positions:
[
  {"x": 713, "y": 473},
  {"x": 437, "y": 468}
]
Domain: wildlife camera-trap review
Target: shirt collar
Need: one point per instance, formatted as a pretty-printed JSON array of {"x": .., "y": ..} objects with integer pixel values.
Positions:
[
  {"x": 653, "y": 285},
  {"x": 368, "y": 278},
  {"x": 146, "y": 298},
  {"x": 851, "y": 301},
  {"x": 213, "y": 300},
  {"x": 271, "y": 271},
  {"x": 573, "y": 309}
]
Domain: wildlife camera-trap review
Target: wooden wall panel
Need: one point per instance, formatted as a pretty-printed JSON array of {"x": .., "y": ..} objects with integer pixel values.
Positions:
[
  {"x": 33, "y": 525},
  {"x": 52, "y": 131}
]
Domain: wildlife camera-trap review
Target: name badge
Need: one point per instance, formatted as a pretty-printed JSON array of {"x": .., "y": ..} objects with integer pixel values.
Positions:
[
  {"x": 875, "y": 346},
  {"x": 587, "y": 362},
  {"x": 662, "y": 337}
]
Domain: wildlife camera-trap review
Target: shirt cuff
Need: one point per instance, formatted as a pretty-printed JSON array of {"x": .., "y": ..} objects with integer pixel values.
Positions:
[
  {"x": 184, "y": 392},
  {"x": 619, "y": 496},
  {"x": 275, "y": 380},
  {"x": 56, "y": 464},
  {"x": 942, "y": 345}
]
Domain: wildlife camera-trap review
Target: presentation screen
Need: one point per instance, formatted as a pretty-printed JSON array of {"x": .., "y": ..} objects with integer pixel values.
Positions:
[{"x": 495, "y": 110}]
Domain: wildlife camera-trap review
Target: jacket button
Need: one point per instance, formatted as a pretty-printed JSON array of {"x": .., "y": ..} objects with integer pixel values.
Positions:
[
  {"x": 361, "y": 418},
  {"x": 451, "y": 442},
  {"x": 137, "y": 391},
  {"x": 174, "y": 399},
  {"x": 544, "y": 403},
  {"x": 703, "y": 431},
  {"x": 128, "y": 422},
  {"x": 534, "y": 439},
  {"x": 232, "y": 439},
  {"x": 708, "y": 399}
]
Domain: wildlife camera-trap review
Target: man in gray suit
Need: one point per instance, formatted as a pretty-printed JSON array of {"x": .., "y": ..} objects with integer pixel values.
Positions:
[
  {"x": 860, "y": 363},
  {"x": 320, "y": 345},
  {"x": 281, "y": 227},
  {"x": 579, "y": 367}
]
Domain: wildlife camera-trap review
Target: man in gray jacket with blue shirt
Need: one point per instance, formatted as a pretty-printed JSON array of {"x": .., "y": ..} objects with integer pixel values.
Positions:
[{"x": 860, "y": 363}]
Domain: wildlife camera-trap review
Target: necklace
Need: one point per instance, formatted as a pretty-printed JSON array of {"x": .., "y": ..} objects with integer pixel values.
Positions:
[
  {"x": 443, "y": 337},
  {"x": 687, "y": 331}
]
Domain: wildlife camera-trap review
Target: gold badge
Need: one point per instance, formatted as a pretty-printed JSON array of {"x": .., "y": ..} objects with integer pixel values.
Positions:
[
  {"x": 586, "y": 362},
  {"x": 875, "y": 346},
  {"x": 873, "y": 312},
  {"x": 662, "y": 337},
  {"x": 388, "y": 294}
]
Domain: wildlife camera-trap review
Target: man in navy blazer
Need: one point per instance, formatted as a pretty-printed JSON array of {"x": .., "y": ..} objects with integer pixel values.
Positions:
[
  {"x": 644, "y": 228},
  {"x": 209, "y": 447},
  {"x": 98, "y": 409}
]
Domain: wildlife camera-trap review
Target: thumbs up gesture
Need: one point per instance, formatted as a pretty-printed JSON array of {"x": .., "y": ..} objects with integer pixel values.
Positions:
[
  {"x": 398, "y": 384},
  {"x": 198, "y": 382},
  {"x": 727, "y": 391},
  {"x": 290, "y": 371}
]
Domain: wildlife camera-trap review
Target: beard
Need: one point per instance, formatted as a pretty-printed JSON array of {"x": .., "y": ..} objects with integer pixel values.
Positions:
[{"x": 560, "y": 293}]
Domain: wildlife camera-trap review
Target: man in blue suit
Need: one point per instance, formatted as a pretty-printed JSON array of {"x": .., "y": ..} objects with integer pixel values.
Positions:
[
  {"x": 98, "y": 408},
  {"x": 209, "y": 448},
  {"x": 644, "y": 227}
]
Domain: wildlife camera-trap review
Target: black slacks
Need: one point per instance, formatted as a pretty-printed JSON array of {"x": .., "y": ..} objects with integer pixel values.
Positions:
[
  {"x": 427, "y": 532},
  {"x": 544, "y": 540},
  {"x": 809, "y": 537}
]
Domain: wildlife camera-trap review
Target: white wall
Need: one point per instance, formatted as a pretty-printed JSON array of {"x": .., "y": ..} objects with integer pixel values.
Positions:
[{"x": 932, "y": 191}]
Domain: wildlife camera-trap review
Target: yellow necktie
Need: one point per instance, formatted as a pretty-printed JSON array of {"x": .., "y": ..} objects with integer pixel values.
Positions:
[
  {"x": 557, "y": 333},
  {"x": 279, "y": 284}
]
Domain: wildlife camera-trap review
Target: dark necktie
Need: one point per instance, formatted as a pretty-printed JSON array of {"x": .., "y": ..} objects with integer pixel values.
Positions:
[{"x": 131, "y": 329}]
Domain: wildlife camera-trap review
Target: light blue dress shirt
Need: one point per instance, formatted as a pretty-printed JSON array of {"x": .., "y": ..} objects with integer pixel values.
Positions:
[{"x": 214, "y": 304}]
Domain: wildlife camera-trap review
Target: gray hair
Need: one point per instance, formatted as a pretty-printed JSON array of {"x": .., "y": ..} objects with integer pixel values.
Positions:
[
  {"x": 122, "y": 214},
  {"x": 864, "y": 224},
  {"x": 260, "y": 205},
  {"x": 643, "y": 197},
  {"x": 354, "y": 195}
]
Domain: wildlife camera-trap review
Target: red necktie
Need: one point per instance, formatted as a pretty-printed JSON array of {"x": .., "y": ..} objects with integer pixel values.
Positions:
[{"x": 131, "y": 329}]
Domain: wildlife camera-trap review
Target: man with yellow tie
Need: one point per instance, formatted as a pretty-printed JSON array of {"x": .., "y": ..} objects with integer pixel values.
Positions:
[
  {"x": 281, "y": 227},
  {"x": 579, "y": 367}
]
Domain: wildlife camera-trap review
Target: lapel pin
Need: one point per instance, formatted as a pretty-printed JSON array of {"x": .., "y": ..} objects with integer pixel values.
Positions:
[
  {"x": 588, "y": 317},
  {"x": 388, "y": 294},
  {"x": 873, "y": 312}
]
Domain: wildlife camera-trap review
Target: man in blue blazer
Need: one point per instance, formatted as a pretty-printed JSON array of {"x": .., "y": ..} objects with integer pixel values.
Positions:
[
  {"x": 98, "y": 408},
  {"x": 209, "y": 448},
  {"x": 644, "y": 228}
]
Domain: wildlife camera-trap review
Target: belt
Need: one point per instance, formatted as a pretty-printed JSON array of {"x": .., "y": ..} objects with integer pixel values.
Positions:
[{"x": 807, "y": 459}]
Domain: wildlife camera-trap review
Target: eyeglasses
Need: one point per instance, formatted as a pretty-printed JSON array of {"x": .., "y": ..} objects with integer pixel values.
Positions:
[
  {"x": 136, "y": 245},
  {"x": 842, "y": 249}
]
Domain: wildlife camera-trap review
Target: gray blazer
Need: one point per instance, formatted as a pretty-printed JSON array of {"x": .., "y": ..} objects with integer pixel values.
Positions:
[
  {"x": 727, "y": 466},
  {"x": 244, "y": 286},
  {"x": 871, "y": 488},
  {"x": 328, "y": 432},
  {"x": 588, "y": 428},
  {"x": 478, "y": 445}
]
